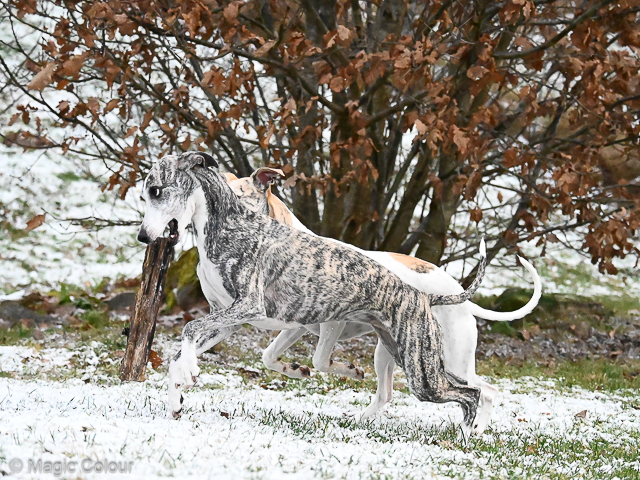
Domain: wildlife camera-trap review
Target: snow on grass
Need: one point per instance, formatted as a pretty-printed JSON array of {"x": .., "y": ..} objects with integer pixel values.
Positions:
[
  {"x": 57, "y": 252},
  {"x": 232, "y": 429}
]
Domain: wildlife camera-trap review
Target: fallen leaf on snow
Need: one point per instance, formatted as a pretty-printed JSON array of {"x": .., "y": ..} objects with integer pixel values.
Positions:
[
  {"x": 35, "y": 222},
  {"x": 155, "y": 359}
]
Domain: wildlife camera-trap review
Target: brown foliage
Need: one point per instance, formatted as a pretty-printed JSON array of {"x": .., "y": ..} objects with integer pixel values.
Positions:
[{"x": 389, "y": 118}]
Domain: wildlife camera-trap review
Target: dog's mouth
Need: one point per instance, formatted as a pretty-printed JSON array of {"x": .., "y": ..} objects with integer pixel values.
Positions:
[{"x": 173, "y": 229}]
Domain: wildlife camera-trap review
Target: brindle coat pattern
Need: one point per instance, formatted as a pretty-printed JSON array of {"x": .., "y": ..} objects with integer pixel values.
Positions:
[{"x": 279, "y": 277}]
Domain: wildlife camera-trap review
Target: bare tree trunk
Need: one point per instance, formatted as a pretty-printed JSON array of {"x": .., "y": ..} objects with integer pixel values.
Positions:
[
  {"x": 415, "y": 188},
  {"x": 436, "y": 224},
  {"x": 363, "y": 201}
]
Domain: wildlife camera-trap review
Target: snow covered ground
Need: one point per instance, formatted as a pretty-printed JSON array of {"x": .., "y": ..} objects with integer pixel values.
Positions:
[
  {"x": 237, "y": 431},
  {"x": 57, "y": 252}
]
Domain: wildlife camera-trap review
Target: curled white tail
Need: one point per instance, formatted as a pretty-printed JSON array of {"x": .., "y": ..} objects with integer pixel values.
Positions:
[{"x": 478, "y": 311}]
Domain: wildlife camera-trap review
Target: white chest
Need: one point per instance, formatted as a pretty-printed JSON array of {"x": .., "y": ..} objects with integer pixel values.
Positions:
[{"x": 211, "y": 284}]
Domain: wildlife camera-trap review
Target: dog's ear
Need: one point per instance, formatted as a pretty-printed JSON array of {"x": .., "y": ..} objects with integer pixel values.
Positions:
[
  {"x": 264, "y": 177},
  {"x": 229, "y": 177},
  {"x": 189, "y": 160}
]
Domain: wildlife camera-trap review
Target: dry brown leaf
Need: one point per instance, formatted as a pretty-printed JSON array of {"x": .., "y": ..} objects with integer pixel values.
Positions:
[
  {"x": 421, "y": 127},
  {"x": 581, "y": 414},
  {"x": 460, "y": 139},
  {"x": 343, "y": 32},
  {"x": 73, "y": 66},
  {"x": 231, "y": 12},
  {"x": 291, "y": 181},
  {"x": 155, "y": 359},
  {"x": 476, "y": 215},
  {"x": 43, "y": 78},
  {"x": 35, "y": 222},
  {"x": 477, "y": 72},
  {"x": 265, "y": 48}
]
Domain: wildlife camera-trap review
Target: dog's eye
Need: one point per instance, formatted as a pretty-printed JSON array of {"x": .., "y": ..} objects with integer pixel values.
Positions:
[{"x": 154, "y": 192}]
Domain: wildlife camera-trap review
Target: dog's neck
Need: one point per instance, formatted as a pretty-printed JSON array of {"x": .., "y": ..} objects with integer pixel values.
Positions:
[
  {"x": 200, "y": 216},
  {"x": 279, "y": 212},
  {"x": 212, "y": 203}
]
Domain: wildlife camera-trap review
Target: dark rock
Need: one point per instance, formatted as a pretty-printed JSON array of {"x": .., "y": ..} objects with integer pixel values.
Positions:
[
  {"x": 122, "y": 301},
  {"x": 27, "y": 323},
  {"x": 188, "y": 296},
  {"x": 13, "y": 313},
  {"x": 64, "y": 311}
]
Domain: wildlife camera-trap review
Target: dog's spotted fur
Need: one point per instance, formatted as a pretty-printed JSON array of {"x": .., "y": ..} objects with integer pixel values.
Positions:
[
  {"x": 275, "y": 277},
  {"x": 457, "y": 321}
]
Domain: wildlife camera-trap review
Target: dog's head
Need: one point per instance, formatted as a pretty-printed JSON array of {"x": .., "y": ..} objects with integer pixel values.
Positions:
[
  {"x": 168, "y": 192},
  {"x": 255, "y": 194}
]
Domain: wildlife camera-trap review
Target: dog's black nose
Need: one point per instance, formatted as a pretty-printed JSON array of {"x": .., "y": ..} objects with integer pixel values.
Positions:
[{"x": 143, "y": 237}]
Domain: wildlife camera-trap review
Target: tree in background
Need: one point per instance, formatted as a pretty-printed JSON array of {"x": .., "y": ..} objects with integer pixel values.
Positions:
[{"x": 401, "y": 125}]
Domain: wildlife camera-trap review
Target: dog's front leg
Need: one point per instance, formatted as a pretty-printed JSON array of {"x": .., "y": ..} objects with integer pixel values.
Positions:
[
  {"x": 198, "y": 336},
  {"x": 184, "y": 370}
]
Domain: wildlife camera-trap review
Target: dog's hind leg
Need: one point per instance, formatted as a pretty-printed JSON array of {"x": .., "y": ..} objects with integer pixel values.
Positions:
[
  {"x": 488, "y": 395},
  {"x": 420, "y": 349},
  {"x": 271, "y": 355},
  {"x": 384, "y": 365},
  {"x": 329, "y": 334}
]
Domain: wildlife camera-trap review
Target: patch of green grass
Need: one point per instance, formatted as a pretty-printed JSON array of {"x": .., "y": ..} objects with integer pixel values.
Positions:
[
  {"x": 619, "y": 304},
  {"x": 516, "y": 453},
  {"x": 13, "y": 336},
  {"x": 99, "y": 328},
  {"x": 590, "y": 374},
  {"x": 68, "y": 177},
  {"x": 529, "y": 454},
  {"x": 77, "y": 296},
  {"x": 95, "y": 318}
]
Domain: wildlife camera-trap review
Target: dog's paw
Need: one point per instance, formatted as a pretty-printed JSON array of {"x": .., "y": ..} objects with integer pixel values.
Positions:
[
  {"x": 176, "y": 414},
  {"x": 371, "y": 410},
  {"x": 182, "y": 376}
]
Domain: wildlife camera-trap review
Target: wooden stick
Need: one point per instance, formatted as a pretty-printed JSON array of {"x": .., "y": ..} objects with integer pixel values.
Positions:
[{"x": 148, "y": 301}]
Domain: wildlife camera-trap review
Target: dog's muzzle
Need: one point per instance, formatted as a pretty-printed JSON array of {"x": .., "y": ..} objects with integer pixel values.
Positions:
[{"x": 143, "y": 236}]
